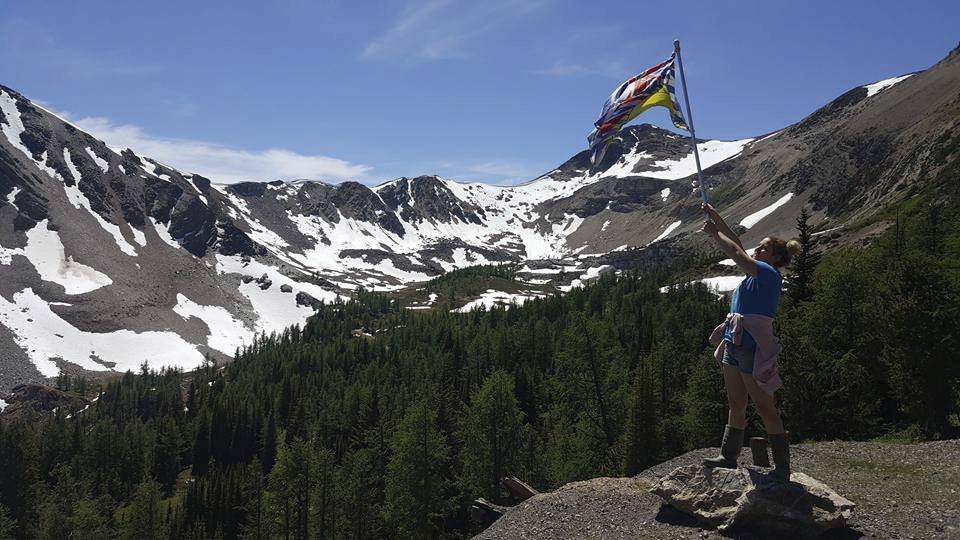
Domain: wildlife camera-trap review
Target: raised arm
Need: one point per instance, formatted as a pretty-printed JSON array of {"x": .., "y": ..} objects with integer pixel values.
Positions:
[
  {"x": 722, "y": 226},
  {"x": 732, "y": 249}
]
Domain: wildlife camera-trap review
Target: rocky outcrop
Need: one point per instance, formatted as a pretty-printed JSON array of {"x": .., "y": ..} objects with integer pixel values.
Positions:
[
  {"x": 750, "y": 500},
  {"x": 901, "y": 491},
  {"x": 29, "y": 402}
]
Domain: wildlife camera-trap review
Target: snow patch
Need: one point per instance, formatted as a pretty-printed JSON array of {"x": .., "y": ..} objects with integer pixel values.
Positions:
[
  {"x": 45, "y": 251},
  {"x": 138, "y": 236},
  {"x": 879, "y": 86},
  {"x": 12, "y": 196},
  {"x": 44, "y": 336},
  {"x": 226, "y": 332},
  {"x": 755, "y": 217},
  {"x": 623, "y": 168},
  {"x": 164, "y": 234},
  {"x": 275, "y": 309},
  {"x": 670, "y": 228},
  {"x": 826, "y": 231},
  {"x": 711, "y": 153},
  {"x": 719, "y": 284},
  {"x": 13, "y": 127},
  {"x": 493, "y": 297},
  {"x": 729, "y": 262},
  {"x": 722, "y": 283},
  {"x": 590, "y": 274},
  {"x": 102, "y": 163},
  {"x": 664, "y": 193}
]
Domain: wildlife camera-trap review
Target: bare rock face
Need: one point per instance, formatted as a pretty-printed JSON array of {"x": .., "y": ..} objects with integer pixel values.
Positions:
[
  {"x": 749, "y": 500},
  {"x": 29, "y": 402}
]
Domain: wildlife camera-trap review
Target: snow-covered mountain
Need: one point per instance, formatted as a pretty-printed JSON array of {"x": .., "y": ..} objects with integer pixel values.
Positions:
[{"x": 109, "y": 259}]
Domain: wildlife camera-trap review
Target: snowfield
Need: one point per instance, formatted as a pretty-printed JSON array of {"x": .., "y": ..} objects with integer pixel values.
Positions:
[{"x": 46, "y": 337}]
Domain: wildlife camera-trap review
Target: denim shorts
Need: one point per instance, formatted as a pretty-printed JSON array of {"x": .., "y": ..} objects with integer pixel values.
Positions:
[{"x": 739, "y": 357}]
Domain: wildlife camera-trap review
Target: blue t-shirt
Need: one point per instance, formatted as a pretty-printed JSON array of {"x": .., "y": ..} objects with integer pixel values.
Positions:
[{"x": 758, "y": 296}]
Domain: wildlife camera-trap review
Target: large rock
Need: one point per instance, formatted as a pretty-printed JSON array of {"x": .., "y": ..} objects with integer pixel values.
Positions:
[{"x": 749, "y": 500}]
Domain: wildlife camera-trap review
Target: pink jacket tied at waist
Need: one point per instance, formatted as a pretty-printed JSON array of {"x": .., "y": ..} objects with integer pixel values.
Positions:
[{"x": 765, "y": 369}]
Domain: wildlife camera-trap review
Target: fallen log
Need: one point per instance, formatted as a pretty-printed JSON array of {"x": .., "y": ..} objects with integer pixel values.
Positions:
[{"x": 518, "y": 488}]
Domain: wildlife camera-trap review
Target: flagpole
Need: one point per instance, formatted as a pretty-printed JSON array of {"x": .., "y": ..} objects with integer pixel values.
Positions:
[{"x": 693, "y": 134}]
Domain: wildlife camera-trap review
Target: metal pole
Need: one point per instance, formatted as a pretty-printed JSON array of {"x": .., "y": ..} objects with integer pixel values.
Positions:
[{"x": 693, "y": 134}]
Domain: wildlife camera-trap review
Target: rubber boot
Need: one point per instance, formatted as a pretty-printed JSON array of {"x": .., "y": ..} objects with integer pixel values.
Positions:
[
  {"x": 780, "y": 448},
  {"x": 729, "y": 449}
]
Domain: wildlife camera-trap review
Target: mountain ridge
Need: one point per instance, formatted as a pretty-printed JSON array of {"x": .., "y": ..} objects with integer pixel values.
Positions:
[{"x": 83, "y": 226}]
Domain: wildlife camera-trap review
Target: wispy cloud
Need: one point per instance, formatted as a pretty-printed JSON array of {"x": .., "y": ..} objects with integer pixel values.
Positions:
[
  {"x": 218, "y": 162},
  {"x": 443, "y": 29},
  {"x": 613, "y": 70}
]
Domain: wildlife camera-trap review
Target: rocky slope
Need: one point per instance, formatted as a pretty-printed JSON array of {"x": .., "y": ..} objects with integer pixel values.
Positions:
[
  {"x": 901, "y": 491},
  {"x": 109, "y": 258}
]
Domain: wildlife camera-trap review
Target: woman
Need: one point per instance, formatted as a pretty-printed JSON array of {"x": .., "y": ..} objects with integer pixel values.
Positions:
[{"x": 748, "y": 349}]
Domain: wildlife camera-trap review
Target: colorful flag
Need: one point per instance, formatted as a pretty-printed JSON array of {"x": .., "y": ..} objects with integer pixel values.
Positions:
[{"x": 651, "y": 88}]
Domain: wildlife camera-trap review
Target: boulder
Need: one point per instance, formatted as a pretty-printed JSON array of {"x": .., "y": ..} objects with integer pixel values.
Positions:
[
  {"x": 304, "y": 299},
  {"x": 286, "y": 288},
  {"x": 747, "y": 499}
]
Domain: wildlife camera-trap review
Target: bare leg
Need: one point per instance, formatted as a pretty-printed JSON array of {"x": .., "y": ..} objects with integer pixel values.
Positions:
[
  {"x": 736, "y": 396},
  {"x": 766, "y": 405},
  {"x": 736, "y": 421}
]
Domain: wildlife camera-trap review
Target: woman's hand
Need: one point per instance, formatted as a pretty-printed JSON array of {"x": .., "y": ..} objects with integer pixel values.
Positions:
[
  {"x": 710, "y": 228},
  {"x": 709, "y": 211}
]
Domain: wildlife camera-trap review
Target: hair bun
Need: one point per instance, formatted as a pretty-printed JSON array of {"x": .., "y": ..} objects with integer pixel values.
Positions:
[{"x": 794, "y": 247}]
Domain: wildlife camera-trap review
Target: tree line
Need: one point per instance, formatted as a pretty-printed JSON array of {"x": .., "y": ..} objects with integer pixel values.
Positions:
[{"x": 323, "y": 432}]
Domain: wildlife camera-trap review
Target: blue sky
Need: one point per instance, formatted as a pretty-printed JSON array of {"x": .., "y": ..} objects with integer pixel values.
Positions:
[{"x": 498, "y": 91}]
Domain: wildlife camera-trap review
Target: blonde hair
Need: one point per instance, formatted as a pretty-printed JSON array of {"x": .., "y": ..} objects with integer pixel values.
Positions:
[{"x": 784, "y": 250}]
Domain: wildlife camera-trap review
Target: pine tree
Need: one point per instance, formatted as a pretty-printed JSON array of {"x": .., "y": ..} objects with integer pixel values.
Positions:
[
  {"x": 359, "y": 496},
  {"x": 322, "y": 512},
  {"x": 704, "y": 404},
  {"x": 417, "y": 487},
  {"x": 143, "y": 518},
  {"x": 166, "y": 455},
  {"x": 800, "y": 280},
  {"x": 256, "y": 524},
  {"x": 88, "y": 522},
  {"x": 57, "y": 511},
  {"x": 291, "y": 483},
  {"x": 641, "y": 433},
  {"x": 492, "y": 436},
  {"x": 268, "y": 454},
  {"x": 201, "y": 447}
]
